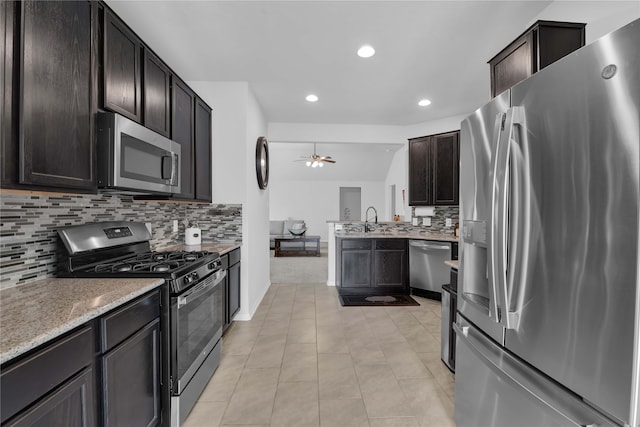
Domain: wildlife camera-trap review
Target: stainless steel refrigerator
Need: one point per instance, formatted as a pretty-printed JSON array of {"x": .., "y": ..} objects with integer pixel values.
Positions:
[{"x": 548, "y": 304}]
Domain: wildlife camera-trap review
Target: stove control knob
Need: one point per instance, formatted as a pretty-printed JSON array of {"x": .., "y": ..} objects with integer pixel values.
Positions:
[
  {"x": 190, "y": 278},
  {"x": 214, "y": 265}
]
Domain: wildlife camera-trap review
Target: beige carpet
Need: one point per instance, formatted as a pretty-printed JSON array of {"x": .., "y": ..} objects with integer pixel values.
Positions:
[{"x": 297, "y": 270}]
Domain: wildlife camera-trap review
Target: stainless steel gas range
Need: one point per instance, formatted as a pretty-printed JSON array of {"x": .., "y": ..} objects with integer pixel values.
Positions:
[{"x": 193, "y": 294}]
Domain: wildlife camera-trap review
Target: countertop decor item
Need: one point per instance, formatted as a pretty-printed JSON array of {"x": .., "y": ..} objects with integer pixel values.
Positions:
[
  {"x": 192, "y": 235},
  {"x": 262, "y": 162}
]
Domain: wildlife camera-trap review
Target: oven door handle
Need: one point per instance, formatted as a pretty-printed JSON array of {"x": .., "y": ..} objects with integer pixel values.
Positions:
[{"x": 198, "y": 290}]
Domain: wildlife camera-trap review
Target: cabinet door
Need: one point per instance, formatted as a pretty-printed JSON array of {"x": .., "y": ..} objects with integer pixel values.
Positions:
[
  {"x": 182, "y": 122},
  {"x": 131, "y": 378},
  {"x": 203, "y": 151},
  {"x": 233, "y": 299},
  {"x": 122, "y": 74},
  {"x": 420, "y": 187},
  {"x": 446, "y": 168},
  {"x": 8, "y": 88},
  {"x": 355, "y": 269},
  {"x": 157, "y": 94},
  {"x": 390, "y": 263},
  {"x": 71, "y": 405},
  {"x": 56, "y": 147},
  {"x": 513, "y": 65},
  {"x": 31, "y": 378}
]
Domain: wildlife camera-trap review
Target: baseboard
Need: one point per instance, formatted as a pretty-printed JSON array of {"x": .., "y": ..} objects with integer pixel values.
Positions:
[{"x": 426, "y": 294}]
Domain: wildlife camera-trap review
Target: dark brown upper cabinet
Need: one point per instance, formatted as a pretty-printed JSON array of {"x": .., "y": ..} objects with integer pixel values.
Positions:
[
  {"x": 182, "y": 131},
  {"x": 157, "y": 94},
  {"x": 203, "y": 151},
  {"x": 434, "y": 170},
  {"x": 122, "y": 50},
  {"x": 8, "y": 85},
  {"x": 49, "y": 103},
  {"x": 540, "y": 45}
]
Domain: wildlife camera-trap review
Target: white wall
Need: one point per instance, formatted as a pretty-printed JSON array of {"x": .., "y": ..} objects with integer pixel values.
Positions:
[
  {"x": 313, "y": 132},
  {"x": 318, "y": 202},
  {"x": 601, "y": 17},
  {"x": 238, "y": 121},
  {"x": 255, "y": 215}
]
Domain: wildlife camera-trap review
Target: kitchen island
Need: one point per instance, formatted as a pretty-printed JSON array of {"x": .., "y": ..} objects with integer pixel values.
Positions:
[{"x": 388, "y": 230}]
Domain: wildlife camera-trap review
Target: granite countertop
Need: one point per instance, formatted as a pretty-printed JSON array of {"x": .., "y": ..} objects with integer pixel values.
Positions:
[
  {"x": 221, "y": 248},
  {"x": 398, "y": 235},
  {"x": 34, "y": 313},
  {"x": 453, "y": 263}
]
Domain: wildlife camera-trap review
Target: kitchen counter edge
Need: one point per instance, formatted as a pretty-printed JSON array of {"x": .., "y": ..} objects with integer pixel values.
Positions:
[
  {"x": 390, "y": 235},
  {"x": 221, "y": 248},
  {"x": 35, "y": 313}
]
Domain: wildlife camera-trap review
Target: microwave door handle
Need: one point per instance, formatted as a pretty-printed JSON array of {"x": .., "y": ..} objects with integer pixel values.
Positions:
[
  {"x": 174, "y": 169},
  {"x": 167, "y": 167}
]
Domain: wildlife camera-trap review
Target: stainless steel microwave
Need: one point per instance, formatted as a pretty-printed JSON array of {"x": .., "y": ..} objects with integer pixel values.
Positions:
[{"x": 134, "y": 159}]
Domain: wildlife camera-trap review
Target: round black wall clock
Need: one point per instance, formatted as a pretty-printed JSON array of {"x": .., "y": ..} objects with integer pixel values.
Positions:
[{"x": 262, "y": 162}]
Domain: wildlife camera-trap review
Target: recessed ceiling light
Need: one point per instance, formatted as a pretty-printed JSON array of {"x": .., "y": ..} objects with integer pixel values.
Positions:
[
  {"x": 424, "y": 102},
  {"x": 311, "y": 98},
  {"x": 366, "y": 51}
]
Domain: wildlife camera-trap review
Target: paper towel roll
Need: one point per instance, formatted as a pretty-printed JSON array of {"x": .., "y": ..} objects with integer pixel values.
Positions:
[
  {"x": 425, "y": 211},
  {"x": 192, "y": 236}
]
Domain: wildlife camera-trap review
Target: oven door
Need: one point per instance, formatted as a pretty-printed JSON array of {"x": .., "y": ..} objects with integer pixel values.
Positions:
[{"x": 197, "y": 320}]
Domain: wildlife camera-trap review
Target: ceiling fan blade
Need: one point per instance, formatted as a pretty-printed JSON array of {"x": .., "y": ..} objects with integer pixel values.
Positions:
[{"x": 328, "y": 160}]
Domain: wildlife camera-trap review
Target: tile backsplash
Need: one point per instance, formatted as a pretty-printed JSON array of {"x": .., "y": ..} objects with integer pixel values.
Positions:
[
  {"x": 28, "y": 226},
  {"x": 438, "y": 222}
]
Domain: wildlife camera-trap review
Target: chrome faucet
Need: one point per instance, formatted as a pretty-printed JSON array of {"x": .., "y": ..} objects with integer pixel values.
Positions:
[{"x": 366, "y": 218}]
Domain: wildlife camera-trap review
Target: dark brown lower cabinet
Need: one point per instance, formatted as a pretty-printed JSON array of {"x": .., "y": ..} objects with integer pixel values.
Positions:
[
  {"x": 231, "y": 262},
  {"x": 130, "y": 364},
  {"x": 131, "y": 378},
  {"x": 390, "y": 261},
  {"x": 372, "y": 266},
  {"x": 53, "y": 385},
  {"x": 70, "y": 405},
  {"x": 106, "y": 372}
]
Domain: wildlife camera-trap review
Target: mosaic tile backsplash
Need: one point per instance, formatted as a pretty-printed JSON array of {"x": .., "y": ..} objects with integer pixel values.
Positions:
[
  {"x": 438, "y": 223},
  {"x": 28, "y": 226}
]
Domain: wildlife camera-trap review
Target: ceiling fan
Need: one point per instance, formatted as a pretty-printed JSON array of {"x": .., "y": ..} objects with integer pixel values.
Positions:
[{"x": 315, "y": 160}]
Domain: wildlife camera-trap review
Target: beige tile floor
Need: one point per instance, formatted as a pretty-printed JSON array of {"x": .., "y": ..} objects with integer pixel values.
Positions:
[{"x": 303, "y": 360}]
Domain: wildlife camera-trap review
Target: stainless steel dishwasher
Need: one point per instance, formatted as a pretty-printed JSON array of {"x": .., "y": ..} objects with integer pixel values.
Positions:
[{"x": 427, "y": 270}]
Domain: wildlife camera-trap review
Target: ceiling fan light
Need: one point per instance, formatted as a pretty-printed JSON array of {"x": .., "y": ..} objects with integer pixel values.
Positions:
[
  {"x": 308, "y": 163},
  {"x": 320, "y": 164},
  {"x": 311, "y": 98},
  {"x": 366, "y": 51},
  {"x": 314, "y": 164}
]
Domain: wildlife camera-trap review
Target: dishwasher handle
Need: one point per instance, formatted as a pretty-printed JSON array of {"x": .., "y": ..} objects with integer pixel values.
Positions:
[{"x": 421, "y": 245}]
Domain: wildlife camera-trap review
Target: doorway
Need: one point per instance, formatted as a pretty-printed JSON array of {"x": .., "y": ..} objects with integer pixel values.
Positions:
[{"x": 350, "y": 206}]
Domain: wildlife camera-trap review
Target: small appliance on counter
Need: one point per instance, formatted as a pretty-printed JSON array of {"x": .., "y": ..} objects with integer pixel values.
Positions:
[{"x": 192, "y": 235}]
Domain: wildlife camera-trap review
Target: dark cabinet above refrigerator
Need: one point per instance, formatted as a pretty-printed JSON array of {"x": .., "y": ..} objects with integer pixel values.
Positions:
[{"x": 540, "y": 45}]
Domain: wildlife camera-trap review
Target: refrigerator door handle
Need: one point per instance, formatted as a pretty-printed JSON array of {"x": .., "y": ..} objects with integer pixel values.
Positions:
[
  {"x": 521, "y": 377},
  {"x": 500, "y": 203},
  {"x": 494, "y": 303},
  {"x": 519, "y": 220}
]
